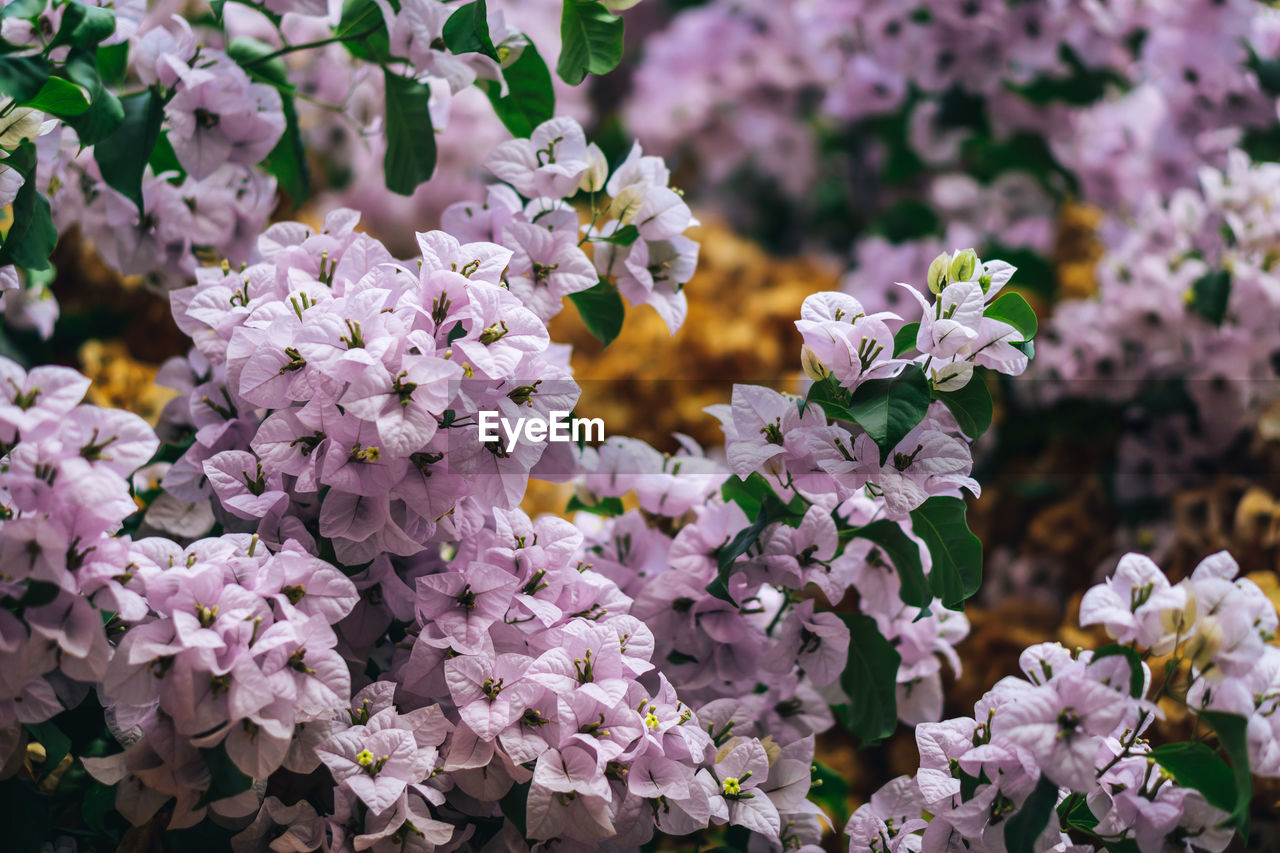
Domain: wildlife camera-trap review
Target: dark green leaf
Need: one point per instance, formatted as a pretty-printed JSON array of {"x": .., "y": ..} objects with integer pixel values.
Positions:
[
  {"x": 122, "y": 159},
  {"x": 530, "y": 98},
  {"x": 1231, "y": 734},
  {"x": 98, "y": 801},
  {"x": 830, "y": 791},
  {"x": 607, "y": 507},
  {"x": 56, "y": 745},
  {"x": 888, "y": 409},
  {"x": 164, "y": 160},
  {"x": 84, "y": 26},
  {"x": 601, "y": 310},
  {"x": 363, "y": 31},
  {"x": 106, "y": 112},
  {"x": 411, "y": 140},
  {"x": 971, "y": 404},
  {"x": 1136, "y": 677},
  {"x": 515, "y": 806},
  {"x": 225, "y": 779},
  {"x": 255, "y": 57},
  {"x": 60, "y": 98},
  {"x": 1022, "y": 830},
  {"x": 32, "y": 236},
  {"x": 590, "y": 39},
  {"x": 1197, "y": 766},
  {"x": 833, "y": 399},
  {"x": 23, "y": 10},
  {"x": 1210, "y": 294},
  {"x": 869, "y": 679},
  {"x": 467, "y": 31},
  {"x": 956, "y": 552},
  {"x": 904, "y": 553},
  {"x": 113, "y": 61},
  {"x": 624, "y": 236},
  {"x": 22, "y": 78},
  {"x": 748, "y": 494},
  {"x": 288, "y": 160},
  {"x": 905, "y": 340},
  {"x": 1011, "y": 308},
  {"x": 771, "y": 511}
]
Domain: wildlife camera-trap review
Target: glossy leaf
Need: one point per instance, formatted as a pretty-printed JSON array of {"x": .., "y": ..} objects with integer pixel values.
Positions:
[
  {"x": 1197, "y": 766},
  {"x": 904, "y": 553},
  {"x": 957, "y": 554},
  {"x": 971, "y": 405},
  {"x": 590, "y": 39},
  {"x": 869, "y": 679},
  {"x": 888, "y": 409},
  {"x": 601, "y": 310},
  {"x": 1023, "y": 828},
  {"x": 530, "y": 98},
  {"x": 32, "y": 235},
  {"x": 1210, "y": 294},
  {"x": 1011, "y": 308},
  {"x": 467, "y": 31},
  {"x": 411, "y": 140},
  {"x": 905, "y": 340},
  {"x": 60, "y": 98},
  {"x": 123, "y": 158},
  {"x": 1231, "y": 731}
]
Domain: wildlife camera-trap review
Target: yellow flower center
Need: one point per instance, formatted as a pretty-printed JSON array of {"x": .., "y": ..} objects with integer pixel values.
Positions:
[
  {"x": 364, "y": 758},
  {"x": 651, "y": 720},
  {"x": 731, "y": 786}
]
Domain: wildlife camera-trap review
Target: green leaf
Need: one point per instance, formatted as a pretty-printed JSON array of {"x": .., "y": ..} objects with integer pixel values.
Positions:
[
  {"x": 971, "y": 404},
  {"x": 60, "y": 98},
  {"x": 905, "y": 340},
  {"x": 591, "y": 40},
  {"x": 624, "y": 236},
  {"x": 1136, "y": 677},
  {"x": 956, "y": 552},
  {"x": 1197, "y": 766},
  {"x": 1231, "y": 734},
  {"x": 601, "y": 310},
  {"x": 56, "y": 745},
  {"x": 515, "y": 806},
  {"x": 1210, "y": 294},
  {"x": 123, "y": 157},
  {"x": 165, "y": 160},
  {"x": 363, "y": 31},
  {"x": 830, "y": 791},
  {"x": 22, "y": 78},
  {"x": 411, "y": 140},
  {"x": 23, "y": 10},
  {"x": 1011, "y": 308},
  {"x": 1022, "y": 830},
  {"x": 904, "y": 553},
  {"x": 607, "y": 507},
  {"x": 97, "y": 802},
  {"x": 113, "y": 62},
  {"x": 748, "y": 494},
  {"x": 467, "y": 31},
  {"x": 252, "y": 55},
  {"x": 84, "y": 26},
  {"x": 288, "y": 160},
  {"x": 888, "y": 409},
  {"x": 106, "y": 112},
  {"x": 869, "y": 679},
  {"x": 32, "y": 236},
  {"x": 771, "y": 511},
  {"x": 530, "y": 98},
  {"x": 225, "y": 779}
]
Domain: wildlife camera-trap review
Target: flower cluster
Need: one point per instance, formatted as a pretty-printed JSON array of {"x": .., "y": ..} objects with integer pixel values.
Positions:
[
  {"x": 333, "y": 391},
  {"x": 64, "y": 493},
  {"x": 1065, "y": 753},
  {"x": 1136, "y": 96},
  {"x": 1187, "y": 295},
  {"x": 227, "y": 644}
]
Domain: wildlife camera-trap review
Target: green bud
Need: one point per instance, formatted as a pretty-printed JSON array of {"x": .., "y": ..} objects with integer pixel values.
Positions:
[
  {"x": 963, "y": 265},
  {"x": 938, "y": 273}
]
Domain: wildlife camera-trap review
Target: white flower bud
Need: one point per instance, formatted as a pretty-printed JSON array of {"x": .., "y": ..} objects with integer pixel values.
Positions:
[
  {"x": 963, "y": 265},
  {"x": 936, "y": 278},
  {"x": 593, "y": 180},
  {"x": 813, "y": 367}
]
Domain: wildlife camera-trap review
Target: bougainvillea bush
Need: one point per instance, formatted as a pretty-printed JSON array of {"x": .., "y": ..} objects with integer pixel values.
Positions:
[{"x": 309, "y": 608}]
